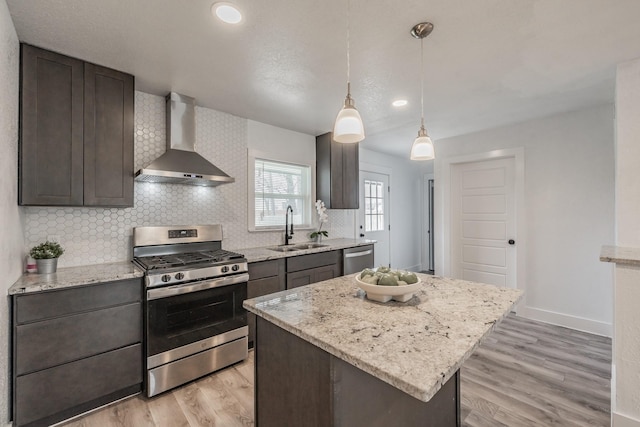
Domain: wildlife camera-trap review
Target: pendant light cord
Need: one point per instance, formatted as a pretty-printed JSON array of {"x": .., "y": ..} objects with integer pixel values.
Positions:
[
  {"x": 421, "y": 83},
  {"x": 348, "y": 48}
]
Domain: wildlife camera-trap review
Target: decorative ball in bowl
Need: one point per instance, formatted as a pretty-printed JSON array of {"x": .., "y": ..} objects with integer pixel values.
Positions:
[{"x": 384, "y": 284}]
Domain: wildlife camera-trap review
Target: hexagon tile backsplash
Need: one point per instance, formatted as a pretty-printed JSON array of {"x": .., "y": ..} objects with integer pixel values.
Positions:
[{"x": 100, "y": 235}]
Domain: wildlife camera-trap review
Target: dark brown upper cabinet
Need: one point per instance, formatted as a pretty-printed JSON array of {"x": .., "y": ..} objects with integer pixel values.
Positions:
[
  {"x": 337, "y": 173},
  {"x": 76, "y": 132}
]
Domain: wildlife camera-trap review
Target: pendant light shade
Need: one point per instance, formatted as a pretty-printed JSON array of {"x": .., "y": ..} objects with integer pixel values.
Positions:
[
  {"x": 348, "y": 127},
  {"x": 422, "y": 148}
]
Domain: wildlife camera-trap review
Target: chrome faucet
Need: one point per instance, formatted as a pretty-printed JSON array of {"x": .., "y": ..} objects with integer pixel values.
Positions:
[{"x": 288, "y": 234}]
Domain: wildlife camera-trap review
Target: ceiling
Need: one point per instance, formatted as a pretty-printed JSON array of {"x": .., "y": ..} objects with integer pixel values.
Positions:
[{"x": 487, "y": 63}]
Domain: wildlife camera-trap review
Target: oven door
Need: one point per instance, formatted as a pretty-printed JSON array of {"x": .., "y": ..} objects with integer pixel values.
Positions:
[{"x": 187, "y": 318}]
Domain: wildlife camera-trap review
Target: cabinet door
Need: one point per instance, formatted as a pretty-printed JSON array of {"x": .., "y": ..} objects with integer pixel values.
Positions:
[
  {"x": 337, "y": 173},
  {"x": 312, "y": 275},
  {"x": 258, "y": 288},
  {"x": 350, "y": 176},
  {"x": 326, "y": 273},
  {"x": 108, "y": 137},
  {"x": 300, "y": 278},
  {"x": 51, "y": 129}
]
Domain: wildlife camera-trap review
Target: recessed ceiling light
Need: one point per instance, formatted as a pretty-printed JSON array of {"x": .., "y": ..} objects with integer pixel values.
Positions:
[
  {"x": 226, "y": 12},
  {"x": 399, "y": 103}
]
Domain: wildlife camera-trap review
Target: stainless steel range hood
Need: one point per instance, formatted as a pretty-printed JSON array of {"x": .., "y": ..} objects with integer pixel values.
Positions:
[{"x": 180, "y": 164}]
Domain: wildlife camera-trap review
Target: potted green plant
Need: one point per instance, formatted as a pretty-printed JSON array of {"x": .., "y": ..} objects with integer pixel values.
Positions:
[
  {"x": 46, "y": 255},
  {"x": 322, "y": 218}
]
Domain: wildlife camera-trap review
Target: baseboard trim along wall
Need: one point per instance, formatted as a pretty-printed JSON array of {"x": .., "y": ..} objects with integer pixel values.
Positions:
[
  {"x": 416, "y": 267},
  {"x": 619, "y": 420},
  {"x": 568, "y": 321}
]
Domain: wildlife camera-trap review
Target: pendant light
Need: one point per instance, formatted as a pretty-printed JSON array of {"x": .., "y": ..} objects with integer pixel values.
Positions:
[
  {"x": 348, "y": 127},
  {"x": 422, "y": 148}
]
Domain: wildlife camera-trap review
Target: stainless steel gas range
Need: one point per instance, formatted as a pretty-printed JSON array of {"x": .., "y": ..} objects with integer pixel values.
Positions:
[{"x": 195, "y": 323}]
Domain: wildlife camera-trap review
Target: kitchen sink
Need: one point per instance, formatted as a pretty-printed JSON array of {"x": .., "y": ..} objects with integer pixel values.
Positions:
[
  {"x": 298, "y": 247},
  {"x": 309, "y": 245},
  {"x": 284, "y": 248}
]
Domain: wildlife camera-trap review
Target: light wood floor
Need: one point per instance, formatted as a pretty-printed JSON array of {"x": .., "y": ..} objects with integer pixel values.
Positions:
[{"x": 525, "y": 374}]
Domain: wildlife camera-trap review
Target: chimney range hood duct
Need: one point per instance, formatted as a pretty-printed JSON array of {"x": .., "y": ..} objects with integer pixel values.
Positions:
[{"x": 180, "y": 164}]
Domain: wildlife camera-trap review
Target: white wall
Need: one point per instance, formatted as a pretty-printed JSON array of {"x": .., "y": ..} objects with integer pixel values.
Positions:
[
  {"x": 626, "y": 342},
  {"x": 406, "y": 206},
  {"x": 569, "y": 199},
  {"x": 11, "y": 238},
  {"x": 289, "y": 146}
]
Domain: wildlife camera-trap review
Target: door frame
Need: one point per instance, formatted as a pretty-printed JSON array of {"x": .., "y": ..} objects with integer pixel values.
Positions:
[
  {"x": 424, "y": 244},
  {"x": 443, "y": 212},
  {"x": 384, "y": 170}
]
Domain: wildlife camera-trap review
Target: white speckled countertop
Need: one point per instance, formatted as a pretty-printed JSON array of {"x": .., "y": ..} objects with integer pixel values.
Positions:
[
  {"x": 264, "y": 254},
  {"x": 620, "y": 255},
  {"x": 87, "y": 274},
  {"x": 415, "y": 346},
  {"x": 68, "y": 277}
]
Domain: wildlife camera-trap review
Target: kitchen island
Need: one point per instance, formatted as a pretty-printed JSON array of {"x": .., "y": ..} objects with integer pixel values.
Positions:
[{"x": 327, "y": 356}]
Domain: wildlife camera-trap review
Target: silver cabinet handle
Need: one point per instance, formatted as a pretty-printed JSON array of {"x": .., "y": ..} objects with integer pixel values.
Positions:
[
  {"x": 356, "y": 254},
  {"x": 198, "y": 286}
]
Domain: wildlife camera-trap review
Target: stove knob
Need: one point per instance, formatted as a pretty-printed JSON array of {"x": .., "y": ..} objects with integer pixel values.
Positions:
[
  {"x": 179, "y": 276},
  {"x": 225, "y": 269},
  {"x": 166, "y": 277},
  {"x": 235, "y": 267}
]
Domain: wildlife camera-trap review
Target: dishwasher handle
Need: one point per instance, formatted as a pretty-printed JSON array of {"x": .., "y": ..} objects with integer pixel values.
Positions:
[{"x": 357, "y": 254}]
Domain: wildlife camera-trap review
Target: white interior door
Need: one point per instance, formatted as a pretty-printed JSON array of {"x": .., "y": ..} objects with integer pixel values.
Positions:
[
  {"x": 483, "y": 222},
  {"x": 373, "y": 215}
]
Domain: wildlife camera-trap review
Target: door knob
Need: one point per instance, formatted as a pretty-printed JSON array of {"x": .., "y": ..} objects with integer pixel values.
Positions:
[
  {"x": 512, "y": 242},
  {"x": 361, "y": 235}
]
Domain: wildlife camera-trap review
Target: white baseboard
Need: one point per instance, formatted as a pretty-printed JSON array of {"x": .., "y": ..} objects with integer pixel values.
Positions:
[
  {"x": 416, "y": 267},
  {"x": 619, "y": 420},
  {"x": 579, "y": 323}
]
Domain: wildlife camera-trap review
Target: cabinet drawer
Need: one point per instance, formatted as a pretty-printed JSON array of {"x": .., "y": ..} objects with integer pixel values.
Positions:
[
  {"x": 262, "y": 269},
  {"x": 48, "y": 392},
  {"x": 41, "y": 345},
  {"x": 304, "y": 262},
  {"x": 269, "y": 285},
  {"x": 45, "y": 305}
]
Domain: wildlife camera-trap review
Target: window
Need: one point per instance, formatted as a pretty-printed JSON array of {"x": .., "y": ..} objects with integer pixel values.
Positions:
[
  {"x": 373, "y": 205},
  {"x": 278, "y": 185}
]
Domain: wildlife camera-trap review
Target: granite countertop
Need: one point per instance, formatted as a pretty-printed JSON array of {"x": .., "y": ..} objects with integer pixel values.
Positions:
[
  {"x": 264, "y": 254},
  {"x": 620, "y": 255},
  {"x": 415, "y": 346},
  {"x": 68, "y": 277}
]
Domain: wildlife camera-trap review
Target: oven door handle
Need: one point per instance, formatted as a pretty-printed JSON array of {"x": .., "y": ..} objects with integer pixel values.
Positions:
[{"x": 199, "y": 286}]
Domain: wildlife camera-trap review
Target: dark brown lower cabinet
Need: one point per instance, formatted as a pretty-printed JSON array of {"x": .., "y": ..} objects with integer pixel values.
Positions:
[
  {"x": 54, "y": 394},
  {"x": 265, "y": 277},
  {"x": 75, "y": 349},
  {"x": 312, "y": 275},
  {"x": 306, "y": 269},
  {"x": 299, "y": 384}
]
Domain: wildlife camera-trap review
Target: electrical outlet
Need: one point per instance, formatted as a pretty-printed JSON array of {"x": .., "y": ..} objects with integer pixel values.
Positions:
[{"x": 53, "y": 238}]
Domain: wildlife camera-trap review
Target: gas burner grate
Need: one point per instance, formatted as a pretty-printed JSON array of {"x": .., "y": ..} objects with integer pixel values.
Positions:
[{"x": 187, "y": 258}]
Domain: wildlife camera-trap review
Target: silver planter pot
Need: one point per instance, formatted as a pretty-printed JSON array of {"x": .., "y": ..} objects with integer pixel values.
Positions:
[{"x": 47, "y": 266}]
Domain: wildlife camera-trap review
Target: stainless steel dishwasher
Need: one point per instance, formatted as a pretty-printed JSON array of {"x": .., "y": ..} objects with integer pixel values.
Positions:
[{"x": 357, "y": 259}]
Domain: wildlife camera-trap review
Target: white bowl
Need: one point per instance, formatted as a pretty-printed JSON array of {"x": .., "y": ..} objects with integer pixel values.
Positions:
[{"x": 401, "y": 293}]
